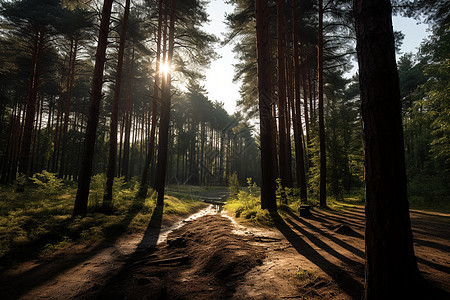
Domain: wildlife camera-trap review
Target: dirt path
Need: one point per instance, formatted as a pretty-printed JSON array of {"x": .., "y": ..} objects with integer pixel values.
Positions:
[{"x": 211, "y": 257}]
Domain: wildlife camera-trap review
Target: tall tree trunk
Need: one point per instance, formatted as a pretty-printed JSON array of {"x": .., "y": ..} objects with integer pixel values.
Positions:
[
  {"x": 282, "y": 118},
  {"x": 70, "y": 84},
  {"x": 56, "y": 141},
  {"x": 268, "y": 200},
  {"x": 31, "y": 103},
  {"x": 391, "y": 268},
  {"x": 128, "y": 121},
  {"x": 18, "y": 135},
  {"x": 10, "y": 139},
  {"x": 323, "y": 157},
  {"x": 155, "y": 100},
  {"x": 312, "y": 108},
  {"x": 298, "y": 128},
  {"x": 110, "y": 173},
  {"x": 119, "y": 160},
  {"x": 303, "y": 67},
  {"x": 36, "y": 132},
  {"x": 165, "y": 115},
  {"x": 84, "y": 179}
]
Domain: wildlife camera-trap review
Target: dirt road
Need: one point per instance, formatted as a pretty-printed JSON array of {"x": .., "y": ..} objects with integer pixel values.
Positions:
[{"x": 211, "y": 257}]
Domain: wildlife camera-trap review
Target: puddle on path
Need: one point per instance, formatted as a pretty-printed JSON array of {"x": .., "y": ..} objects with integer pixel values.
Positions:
[
  {"x": 210, "y": 210},
  {"x": 157, "y": 236}
]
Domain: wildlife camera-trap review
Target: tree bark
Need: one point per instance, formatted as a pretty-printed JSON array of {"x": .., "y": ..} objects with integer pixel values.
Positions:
[
  {"x": 70, "y": 83},
  {"x": 268, "y": 200},
  {"x": 128, "y": 121},
  {"x": 391, "y": 268},
  {"x": 323, "y": 157},
  {"x": 84, "y": 179},
  {"x": 298, "y": 128},
  {"x": 110, "y": 173},
  {"x": 303, "y": 67},
  {"x": 282, "y": 116},
  {"x": 31, "y": 103},
  {"x": 165, "y": 115},
  {"x": 156, "y": 88}
]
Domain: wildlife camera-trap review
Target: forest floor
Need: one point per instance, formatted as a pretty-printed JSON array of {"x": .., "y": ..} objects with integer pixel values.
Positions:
[{"x": 210, "y": 256}]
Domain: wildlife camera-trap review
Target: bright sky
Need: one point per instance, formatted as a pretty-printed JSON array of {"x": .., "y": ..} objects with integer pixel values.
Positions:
[
  {"x": 219, "y": 78},
  {"x": 414, "y": 33}
]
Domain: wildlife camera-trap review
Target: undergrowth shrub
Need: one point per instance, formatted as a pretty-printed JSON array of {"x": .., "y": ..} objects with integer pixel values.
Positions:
[
  {"x": 32, "y": 226},
  {"x": 246, "y": 205},
  {"x": 233, "y": 183},
  {"x": 47, "y": 183}
]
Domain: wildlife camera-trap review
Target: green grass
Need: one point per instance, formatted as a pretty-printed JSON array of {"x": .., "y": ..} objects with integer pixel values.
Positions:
[
  {"x": 35, "y": 223},
  {"x": 306, "y": 275},
  {"x": 419, "y": 203},
  {"x": 246, "y": 208}
]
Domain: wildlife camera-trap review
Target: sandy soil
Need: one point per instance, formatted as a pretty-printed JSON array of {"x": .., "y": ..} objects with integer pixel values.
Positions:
[{"x": 212, "y": 257}]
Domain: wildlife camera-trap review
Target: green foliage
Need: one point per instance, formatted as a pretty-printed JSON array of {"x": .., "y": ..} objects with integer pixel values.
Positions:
[
  {"x": 306, "y": 275},
  {"x": 286, "y": 195},
  {"x": 48, "y": 183},
  {"x": 21, "y": 180},
  {"x": 98, "y": 183},
  {"x": 246, "y": 206},
  {"x": 252, "y": 187},
  {"x": 97, "y": 189},
  {"x": 31, "y": 226},
  {"x": 425, "y": 86},
  {"x": 234, "y": 185}
]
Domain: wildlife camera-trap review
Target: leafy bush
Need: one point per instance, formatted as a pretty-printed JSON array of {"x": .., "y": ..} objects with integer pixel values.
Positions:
[
  {"x": 47, "y": 182},
  {"x": 246, "y": 206},
  {"x": 97, "y": 188},
  {"x": 233, "y": 183}
]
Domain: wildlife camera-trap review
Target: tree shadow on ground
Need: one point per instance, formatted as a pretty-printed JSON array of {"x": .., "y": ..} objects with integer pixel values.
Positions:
[
  {"x": 334, "y": 239},
  {"x": 147, "y": 246},
  {"x": 428, "y": 288},
  {"x": 329, "y": 217},
  {"x": 153, "y": 230},
  {"x": 344, "y": 279},
  {"x": 46, "y": 270}
]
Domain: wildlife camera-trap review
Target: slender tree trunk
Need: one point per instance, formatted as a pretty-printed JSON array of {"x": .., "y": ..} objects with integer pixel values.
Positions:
[
  {"x": 51, "y": 111},
  {"x": 165, "y": 115},
  {"x": 31, "y": 103},
  {"x": 391, "y": 268},
  {"x": 128, "y": 121},
  {"x": 298, "y": 128},
  {"x": 10, "y": 136},
  {"x": 37, "y": 129},
  {"x": 323, "y": 157},
  {"x": 155, "y": 100},
  {"x": 268, "y": 200},
  {"x": 119, "y": 160},
  {"x": 312, "y": 108},
  {"x": 282, "y": 119},
  {"x": 56, "y": 140},
  {"x": 289, "y": 104},
  {"x": 303, "y": 67},
  {"x": 70, "y": 84},
  {"x": 18, "y": 139},
  {"x": 110, "y": 173},
  {"x": 84, "y": 179}
]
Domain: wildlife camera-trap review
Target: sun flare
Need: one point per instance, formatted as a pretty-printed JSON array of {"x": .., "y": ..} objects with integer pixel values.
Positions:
[{"x": 165, "y": 68}]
